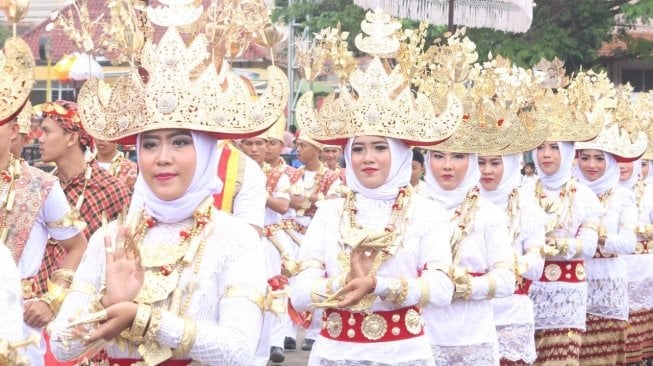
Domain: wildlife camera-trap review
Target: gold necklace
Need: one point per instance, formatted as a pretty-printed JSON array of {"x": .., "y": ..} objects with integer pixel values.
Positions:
[
  {"x": 7, "y": 181},
  {"x": 387, "y": 242},
  {"x": 555, "y": 206},
  {"x": 462, "y": 218},
  {"x": 512, "y": 210}
]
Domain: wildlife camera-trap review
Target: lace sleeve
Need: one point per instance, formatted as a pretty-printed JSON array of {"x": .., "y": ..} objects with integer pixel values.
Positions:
[
  {"x": 499, "y": 259},
  {"x": 586, "y": 210},
  {"x": 312, "y": 250},
  {"x": 88, "y": 280},
  {"x": 533, "y": 223},
  {"x": 229, "y": 338},
  {"x": 624, "y": 240}
]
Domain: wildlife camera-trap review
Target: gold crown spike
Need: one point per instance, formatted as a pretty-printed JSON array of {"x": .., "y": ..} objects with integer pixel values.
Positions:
[
  {"x": 551, "y": 74},
  {"x": 377, "y": 101},
  {"x": 14, "y": 11},
  {"x": 177, "y": 88},
  {"x": 76, "y": 23},
  {"x": 643, "y": 109},
  {"x": 623, "y": 134},
  {"x": 278, "y": 129},
  {"x": 24, "y": 118},
  {"x": 16, "y": 77},
  {"x": 175, "y": 13}
]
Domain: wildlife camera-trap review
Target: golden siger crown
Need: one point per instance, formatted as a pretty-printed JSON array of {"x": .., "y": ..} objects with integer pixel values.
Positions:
[
  {"x": 182, "y": 86},
  {"x": 623, "y": 134},
  {"x": 498, "y": 98},
  {"x": 378, "y": 101},
  {"x": 16, "y": 66},
  {"x": 278, "y": 129},
  {"x": 574, "y": 111}
]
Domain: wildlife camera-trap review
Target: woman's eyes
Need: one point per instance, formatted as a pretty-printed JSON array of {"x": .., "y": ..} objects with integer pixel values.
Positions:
[
  {"x": 149, "y": 145},
  {"x": 357, "y": 149}
]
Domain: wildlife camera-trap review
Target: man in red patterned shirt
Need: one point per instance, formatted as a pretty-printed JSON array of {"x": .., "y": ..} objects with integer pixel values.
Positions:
[
  {"x": 90, "y": 189},
  {"x": 116, "y": 163}
]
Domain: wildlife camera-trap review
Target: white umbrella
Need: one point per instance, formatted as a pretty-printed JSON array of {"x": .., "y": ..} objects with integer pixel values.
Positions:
[
  {"x": 505, "y": 15},
  {"x": 84, "y": 68}
]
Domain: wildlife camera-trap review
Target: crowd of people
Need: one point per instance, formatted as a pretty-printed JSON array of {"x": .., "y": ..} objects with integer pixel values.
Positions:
[{"x": 413, "y": 233}]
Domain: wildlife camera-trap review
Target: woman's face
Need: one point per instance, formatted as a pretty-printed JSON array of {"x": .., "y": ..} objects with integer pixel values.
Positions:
[
  {"x": 645, "y": 169},
  {"x": 591, "y": 163},
  {"x": 491, "y": 168},
  {"x": 625, "y": 171},
  {"x": 167, "y": 161},
  {"x": 370, "y": 160},
  {"x": 449, "y": 169},
  {"x": 548, "y": 157}
]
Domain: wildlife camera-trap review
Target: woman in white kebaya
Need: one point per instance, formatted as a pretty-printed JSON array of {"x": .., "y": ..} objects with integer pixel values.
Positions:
[
  {"x": 464, "y": 333},
  {"x": 513, "y": 315}
]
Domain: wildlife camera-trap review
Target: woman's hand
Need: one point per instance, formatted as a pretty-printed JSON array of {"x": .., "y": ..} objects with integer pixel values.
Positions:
[
  {"x": 355, "y": 290},
  {"x": 118, "y": 318},
  {"x": 124, "y": 274},
  {"x": 361, "y": 261}
]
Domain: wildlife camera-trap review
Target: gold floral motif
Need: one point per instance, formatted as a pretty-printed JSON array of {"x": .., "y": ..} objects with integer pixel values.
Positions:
[
  {"x": 413, "y": 321},
  {"x": 157, "y": 287},
  {"x": 374, "y": 327},
  {"x": 580, "y": 272},
  {"x": 334, "y": 324},
  {"x": 552, "y": 272}
]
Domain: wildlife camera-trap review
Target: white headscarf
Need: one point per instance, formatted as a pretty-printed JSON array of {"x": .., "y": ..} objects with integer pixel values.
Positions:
[
  {"x": 634, "y": 177},
  {"x": 649, "y": 178},
  {"x": 205, "y": 183},
  {"x": 557, "y": 179},
  {"x": 609, "y": 179},
  {"x": 454, "y": 197},
  {"x": 401, "y": 159},
  {"x": 509, "y": 181}
]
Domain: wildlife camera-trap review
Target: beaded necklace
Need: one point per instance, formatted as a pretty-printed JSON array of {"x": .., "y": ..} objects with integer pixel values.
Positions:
[
  {"x": 353, "y": 235},
  {"x": 462, "y": 219},
  {"x": 7, "y": 180},
  {"x": 557, "y": 206},
  {"x": 640, "y": 188}
]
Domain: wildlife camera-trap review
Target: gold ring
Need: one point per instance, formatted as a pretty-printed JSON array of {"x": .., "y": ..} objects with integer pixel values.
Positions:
[
  {"x": 87, "y": 337},
  {"x": 120, "y": 244},
  {"x": 110, "y": 250}
]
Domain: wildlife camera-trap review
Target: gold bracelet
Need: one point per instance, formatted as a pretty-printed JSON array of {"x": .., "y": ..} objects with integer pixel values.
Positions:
[
  {"x": 492, "y": 286},
  {"x": 589, "y": 225},
  {"x": 153, "y": 327},
  {"x": 247, "y": 293},
  {"x": 55, "y": 296},
  {"x": 96, "y": 303},
  {"x": 425, "y": 293},
  {"x": 64, "y": 274},
  {"x": 393, "y": 290},
  {"x": 187, "y": 338},
  {"x": 403, "y": 292},
  {"x": 139, "y": 325}
]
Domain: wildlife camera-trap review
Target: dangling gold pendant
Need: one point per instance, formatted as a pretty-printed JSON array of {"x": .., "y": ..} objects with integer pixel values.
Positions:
[{"x": 157, "y": 286}]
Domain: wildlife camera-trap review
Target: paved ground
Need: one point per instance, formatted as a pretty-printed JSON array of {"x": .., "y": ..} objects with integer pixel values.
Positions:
[{"x": 294, "y": 358}]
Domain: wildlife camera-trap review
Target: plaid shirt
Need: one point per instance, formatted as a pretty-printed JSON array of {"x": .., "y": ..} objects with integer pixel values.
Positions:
[{"x": 104, "y": 192}]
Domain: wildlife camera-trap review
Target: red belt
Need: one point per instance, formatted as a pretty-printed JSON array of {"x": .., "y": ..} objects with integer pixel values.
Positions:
[
  {"x": 379, "y": 326},
  {"x": 131, "y": 361},
  {"x": 563, "y": 271},
  {"x": 523, "y": 285}
]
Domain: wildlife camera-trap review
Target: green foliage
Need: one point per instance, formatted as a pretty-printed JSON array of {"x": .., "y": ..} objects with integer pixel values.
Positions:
[
  {"x": 4, "y": 34},
  {"x": 571, "y": 30}
]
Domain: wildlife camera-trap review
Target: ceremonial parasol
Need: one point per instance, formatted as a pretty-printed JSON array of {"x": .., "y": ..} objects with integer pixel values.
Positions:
[{"x": 506, "y": 15}]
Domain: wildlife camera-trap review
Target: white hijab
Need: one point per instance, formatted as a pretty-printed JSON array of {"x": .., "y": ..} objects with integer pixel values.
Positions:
[
  {"x": 205, "y": 183},
  {"x": 634, "y": 177},
  {"x": 509, "y": 181},
  {"x": 401, "y": 158},
  {"x": 556, "y": 180},
  {"x": 649, "y": 178},
  {"x": 609, "y": 179},
  {"x": 454, "y": 197}
]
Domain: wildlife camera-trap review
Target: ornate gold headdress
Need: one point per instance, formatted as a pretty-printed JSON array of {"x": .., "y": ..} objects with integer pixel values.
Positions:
[
  {"x": 278, "y": 129},
  {"x": 179, "y": 86},
  {"x": 379, "y": 101},
  {"x": 498, "y": 100},
  {"x": 16, "y": 67},
  {"x": 623, "y": 134},
  {"x": 574, "y": 111},
  {"x": 643, "y": 109},
  {"x": 24, "y": 118}
]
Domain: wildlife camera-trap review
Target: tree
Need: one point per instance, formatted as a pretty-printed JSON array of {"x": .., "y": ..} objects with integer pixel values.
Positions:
[{"x": 571, "y": 30}]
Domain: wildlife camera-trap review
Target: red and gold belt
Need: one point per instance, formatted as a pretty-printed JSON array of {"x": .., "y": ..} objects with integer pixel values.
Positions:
[
  {"x": 523, "y": 285},
  {"x": 379, "y": 326},
  {"x": 563, "y": 271}
]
